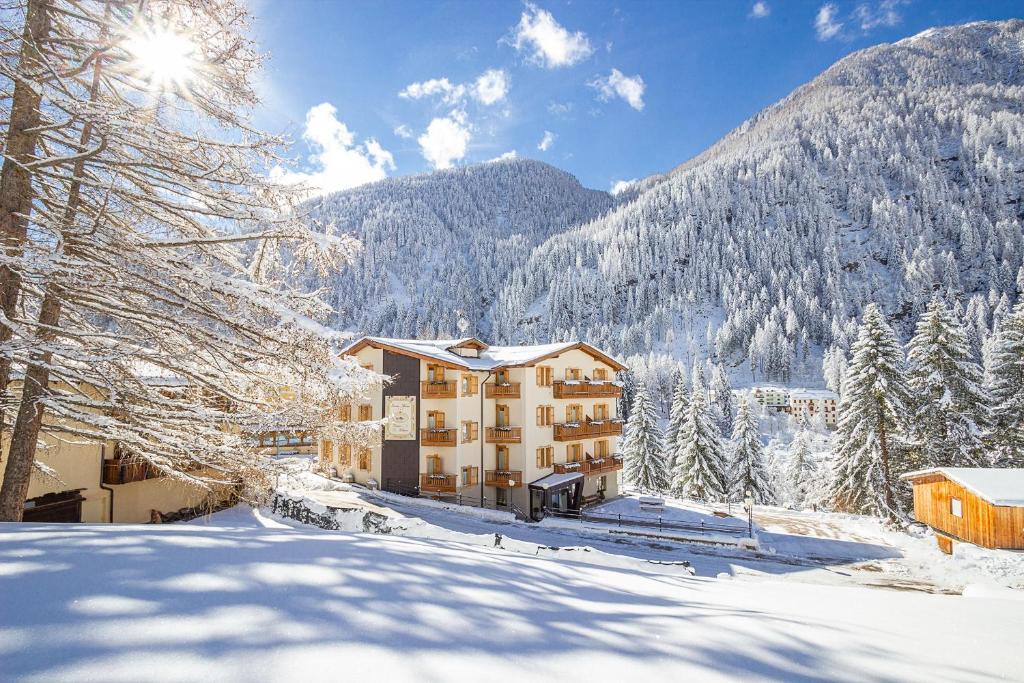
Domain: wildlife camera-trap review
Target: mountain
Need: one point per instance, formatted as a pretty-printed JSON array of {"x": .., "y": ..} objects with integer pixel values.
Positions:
[
  {"x": 895, "y": 174},
  {"x": 438, "y": 247}
]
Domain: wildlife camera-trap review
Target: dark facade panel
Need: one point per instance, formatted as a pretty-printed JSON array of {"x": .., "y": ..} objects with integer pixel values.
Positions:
[{"x": 400, "y": 460}]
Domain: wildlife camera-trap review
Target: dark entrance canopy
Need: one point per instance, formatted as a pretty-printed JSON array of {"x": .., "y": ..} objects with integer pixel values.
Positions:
[{"x": 556, "y": 492}]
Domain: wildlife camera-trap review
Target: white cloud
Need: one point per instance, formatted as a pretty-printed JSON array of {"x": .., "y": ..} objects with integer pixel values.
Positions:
[
  {"x": 449, "y": 92},
  {"x": 342, "y": 162},
  {"x": 620, "y": 186},
  {"x": 403, "y": 131},
  {"x": 445, "y": 140},
  {"x": 760, "y": 10},
  {"x": 491, "y": 87},
  {"x": 507, "y": 156},
  {"x": 546, "y": 141},
  {"x": 825, "y": 22},
  {"x": 617, "y": 84},
  {"x": 885, "y": 13},
  {"x": 548, "y": 42},
  {"x": 560, "y": 108}
]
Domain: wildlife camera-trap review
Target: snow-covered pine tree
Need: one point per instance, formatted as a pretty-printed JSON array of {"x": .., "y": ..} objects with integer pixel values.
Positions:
[
  {"x": 1004, "y": 378},
  {"x": 749, "y": 470},
  {"x": 868, "y": 455},
  {"x": 153, "y": 249},
  {"x": 628, "y": 380},
  {"x": 721, "y": 398},
  {"x": 644, "y": 451},
  {"x": 950, "y": 406},
  {"x": 676, "y": 419},
  {"x": 701, "y": 467},
  {"x": 802, "y": 472}
]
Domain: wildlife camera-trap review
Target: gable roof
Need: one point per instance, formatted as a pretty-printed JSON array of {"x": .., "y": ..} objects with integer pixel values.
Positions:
[
  {"x": 491, "y": 357},
  {"x": 998, "y": 486}
]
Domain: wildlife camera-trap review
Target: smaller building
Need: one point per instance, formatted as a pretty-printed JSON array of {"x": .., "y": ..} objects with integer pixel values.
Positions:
[
  {"x": 810, "y": 403},
  {"x": 773, "y": 398},
  {"x": 979, "y": 505}
]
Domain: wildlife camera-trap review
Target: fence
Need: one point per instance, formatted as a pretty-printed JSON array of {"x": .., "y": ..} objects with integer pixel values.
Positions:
[{"x": 659, "y": 523}]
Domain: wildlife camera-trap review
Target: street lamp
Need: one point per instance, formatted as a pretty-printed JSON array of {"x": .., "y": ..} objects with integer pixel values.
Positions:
[{"x": 748, "y": 505}]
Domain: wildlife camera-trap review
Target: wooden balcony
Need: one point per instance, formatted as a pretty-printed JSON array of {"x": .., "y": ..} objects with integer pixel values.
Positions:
[
  {"x": 438, "y": 389},
  {"x": 438, "y": 437},
  {"x": 438, "y": 483},
  {"x": 574, "y": 431},
  {"x": 581, "y": 467},
  {"x": 609, "y": 463},
  {"x": 504, "y": 434},
  {"x": 117, "y": 471},
  {"x": 503, "y": 478},
  {"x": 510, "y": 390},
  {"x": 585, "y": 389}
]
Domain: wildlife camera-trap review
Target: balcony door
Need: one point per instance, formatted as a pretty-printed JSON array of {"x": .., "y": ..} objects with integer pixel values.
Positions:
[
  {"x": 573, "y": 412},
  {"x": 435, "y": 373},
  {"x": 501, "y": 458},
  {"x": 435, "y": 419},
  {"x": 501, "y": 415}
]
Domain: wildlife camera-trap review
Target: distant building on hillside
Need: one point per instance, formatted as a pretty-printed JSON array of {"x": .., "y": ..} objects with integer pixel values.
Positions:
[
  {"x": 772, "y": 398},
  {"x": 533, "y": 426},
  {"x": 810, "y": 403},
  {"x": 983, "y": 506}
]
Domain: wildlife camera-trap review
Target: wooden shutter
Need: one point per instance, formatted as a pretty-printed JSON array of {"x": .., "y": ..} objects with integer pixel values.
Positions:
[{"x": 365, "y": 413}]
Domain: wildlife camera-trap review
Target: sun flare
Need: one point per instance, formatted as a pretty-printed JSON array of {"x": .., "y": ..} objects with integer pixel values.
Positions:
[{"x": 163, "y": 57}]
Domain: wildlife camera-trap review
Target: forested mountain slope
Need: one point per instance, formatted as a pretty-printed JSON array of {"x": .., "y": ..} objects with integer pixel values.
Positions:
[
  {"x": 438, "y": 247},
  {"x": 897, "y": 173}
]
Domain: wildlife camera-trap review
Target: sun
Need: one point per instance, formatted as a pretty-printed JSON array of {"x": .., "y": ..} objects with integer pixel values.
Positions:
[{"x": 166, "y": 59}]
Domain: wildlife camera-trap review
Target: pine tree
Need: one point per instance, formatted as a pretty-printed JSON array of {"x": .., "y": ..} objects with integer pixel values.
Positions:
[
  {"x": 644, "y": 450},
  {"x": 700, "y": 470},
  {"x": 868, "y": 456},
  {"x": 802, "y": 472},
  {"x": 677, "y": 417},
  {"x": 949, "y": 403},
  {"x": 721, "y": 398},
  {"x": 1005, "y": 382},
  {"x": 749, "y": 471}
]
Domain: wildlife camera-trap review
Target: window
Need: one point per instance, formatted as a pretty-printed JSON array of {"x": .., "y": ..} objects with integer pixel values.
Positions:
[
  {"x": 345, "y": 454},
  {"x": 573, "y": 374},
  {"x": 601, "y": 374},
  {"x": 367, "y": 366},
  {"x": 545, "y": 456},
  {"x": 545, "y": 376},
  {"x": 345, "y": 412},
  {"x": 434, "y": 464},
  {"x": 365, "y": 413},
  {"x": 501, "y": 458},
  {"x": 435, "y": 373},
  {"x": 501, "y": 415},
  {"x": 573, "y": 412},
  {"x": 601, "y": 411},
  {"x": 574, "y": 452},
  {"x": 470, "y": 431},
  {"x": 956, "y": 507},
  {"x": 601, "y": 448},
  {"x": 435, "y": 419},
  {"x": 501, "y": 377},
  {"x": 326, "y": 451},
  {"x": 501, "y": 496},
  {"x": 545, "y": 416},
  {"x": 470, "y": 385},
  {"x": 470, "y": 476},
  {"x": 602, "y": 483},
  {"x": 364, "y": 458}
]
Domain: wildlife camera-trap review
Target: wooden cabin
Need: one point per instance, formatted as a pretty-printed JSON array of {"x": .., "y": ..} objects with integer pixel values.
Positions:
[{"x": 979, "y": 505}]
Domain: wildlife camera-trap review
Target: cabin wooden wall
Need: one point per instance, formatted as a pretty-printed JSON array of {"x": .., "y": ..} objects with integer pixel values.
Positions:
[{"x": 982, "y": 523}]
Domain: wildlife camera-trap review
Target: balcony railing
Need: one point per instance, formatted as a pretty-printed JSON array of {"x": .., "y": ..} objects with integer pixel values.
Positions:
[
  {"x": 580, "y": 467},
  {"x": 438, "y": 389},
  {"x": 504, "y": 434},
  {"x": 438, "y": 483},
  {"x": 573, "y": 431},
  {"x": 503, "y": 478},
  {"x": 509, "y": 390},
  {"x": 608, "y": 463},
  {"x": 117, "y": 471},
  {"x": 585, "y": 389},
  {"x": 438, "y": 437}
]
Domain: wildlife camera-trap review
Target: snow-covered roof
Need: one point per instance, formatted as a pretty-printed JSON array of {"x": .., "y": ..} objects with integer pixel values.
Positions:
[
  {"x": 999, "y": 486},
  {"x": 820, "y": 394},
  {"x": 553, "y": 480},
  {"x": 490, "y": 357}
]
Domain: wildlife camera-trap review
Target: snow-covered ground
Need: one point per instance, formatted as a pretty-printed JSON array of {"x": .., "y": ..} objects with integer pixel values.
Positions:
[{"x": 243, "y": 597}]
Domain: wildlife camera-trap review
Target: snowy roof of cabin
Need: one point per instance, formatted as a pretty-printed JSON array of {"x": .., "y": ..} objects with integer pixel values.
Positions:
[
  {"x": 556, "y": 479},
  {"x": 999, "y": 486},
  {"x": 491, "y": 357}
]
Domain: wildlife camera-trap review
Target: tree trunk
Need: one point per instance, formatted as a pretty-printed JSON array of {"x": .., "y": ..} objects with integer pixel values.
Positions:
[{"x": 15, "y": 180}]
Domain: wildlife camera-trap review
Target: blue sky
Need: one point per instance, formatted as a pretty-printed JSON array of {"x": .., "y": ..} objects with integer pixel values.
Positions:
[{"x": 610, "y": 91}]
